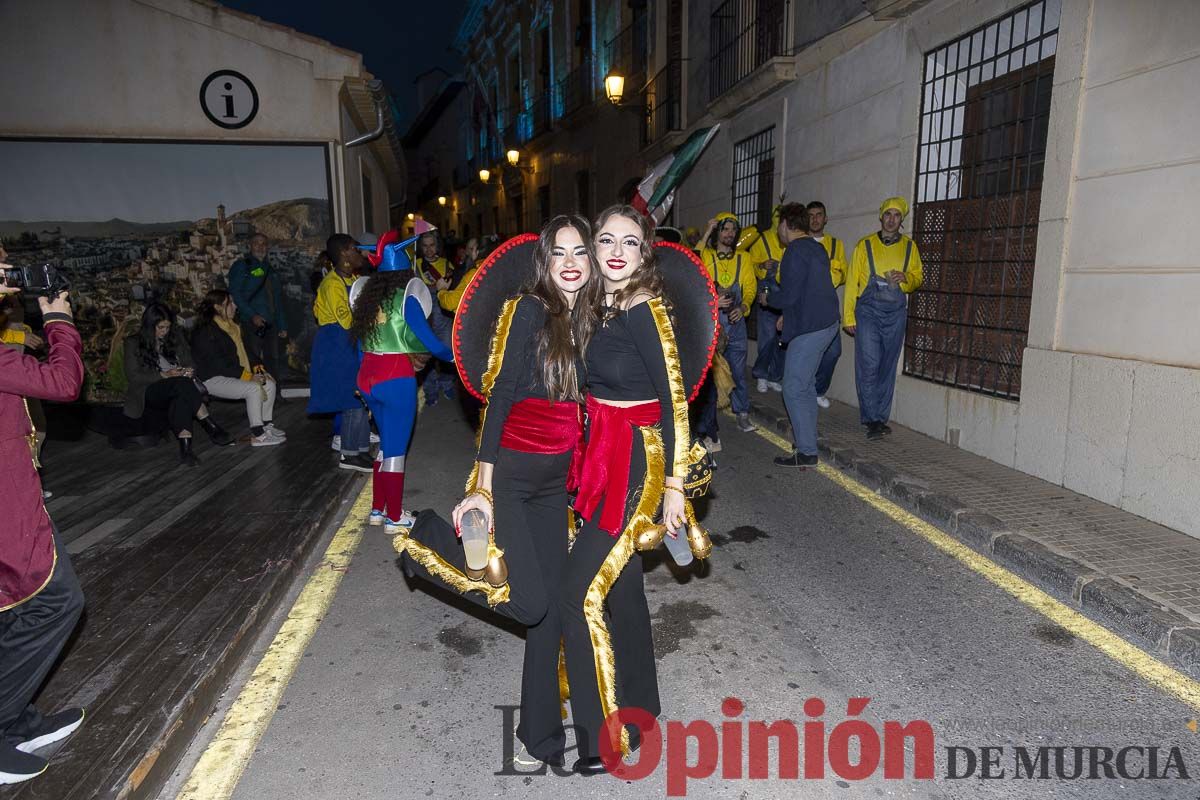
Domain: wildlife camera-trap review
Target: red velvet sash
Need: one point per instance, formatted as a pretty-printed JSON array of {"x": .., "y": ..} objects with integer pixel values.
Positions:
[
  {"x": 605, "y": 471},
  {"x": 539, "y": 426}
]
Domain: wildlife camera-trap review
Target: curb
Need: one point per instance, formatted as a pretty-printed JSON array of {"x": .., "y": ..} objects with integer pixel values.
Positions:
[{"x": 1166, "y": 634}]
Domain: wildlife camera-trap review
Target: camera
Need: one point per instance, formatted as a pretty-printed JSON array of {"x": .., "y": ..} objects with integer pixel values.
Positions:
[{"x": 45, "y": 280}]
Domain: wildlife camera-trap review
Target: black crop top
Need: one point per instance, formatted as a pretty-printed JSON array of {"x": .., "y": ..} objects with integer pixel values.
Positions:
[
  {"x": 625, "y": 361},
  {"x": 519, "y": 377}
]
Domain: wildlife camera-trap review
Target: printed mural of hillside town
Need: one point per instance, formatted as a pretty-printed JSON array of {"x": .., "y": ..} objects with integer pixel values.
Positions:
[{"x": 116, "y": 267}]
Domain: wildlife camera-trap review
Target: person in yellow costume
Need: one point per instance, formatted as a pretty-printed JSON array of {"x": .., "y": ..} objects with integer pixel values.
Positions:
[
  {"x": 437, "y": 273},
  {"x": 884, "y": 270},
  {"x": 835, "y": 248},
  {"x": 766, "y": 251},
  {"x": 732, "y": 271}
]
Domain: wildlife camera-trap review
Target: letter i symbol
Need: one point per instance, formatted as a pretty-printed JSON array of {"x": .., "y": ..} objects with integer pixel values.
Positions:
[{"x": 229, "y": 101}]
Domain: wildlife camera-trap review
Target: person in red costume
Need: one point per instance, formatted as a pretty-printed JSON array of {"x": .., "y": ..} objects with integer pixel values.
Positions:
[{"x": 40, "y": 598}]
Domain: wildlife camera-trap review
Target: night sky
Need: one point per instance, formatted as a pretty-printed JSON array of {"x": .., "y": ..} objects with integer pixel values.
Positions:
[{"x": 398, "y": 39}]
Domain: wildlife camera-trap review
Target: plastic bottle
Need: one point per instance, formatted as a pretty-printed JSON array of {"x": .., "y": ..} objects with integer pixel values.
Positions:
[
  {"x": 474, "y": 530},
  {"x": 678, "y": 547}
]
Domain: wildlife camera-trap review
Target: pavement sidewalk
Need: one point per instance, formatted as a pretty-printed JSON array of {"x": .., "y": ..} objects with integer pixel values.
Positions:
[{"x": 1138, "y": 578}]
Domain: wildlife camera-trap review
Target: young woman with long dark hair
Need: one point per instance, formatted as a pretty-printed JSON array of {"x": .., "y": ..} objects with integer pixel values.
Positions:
[
  {"x": 161, "y": 381},
  {"x": 530, "y": 429},
  {"x": 391, "y": 325},
  {"x": 636, "y": 459},
  {"x": 232, "y": 371}
]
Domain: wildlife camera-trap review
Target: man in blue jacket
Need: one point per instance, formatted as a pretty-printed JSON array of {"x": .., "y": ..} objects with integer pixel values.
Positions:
[{"x": 258, "y": 291}]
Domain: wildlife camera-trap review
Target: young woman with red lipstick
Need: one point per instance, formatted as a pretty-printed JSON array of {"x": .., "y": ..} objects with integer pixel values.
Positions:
[
  {"x": 521, "y": 355},
  {"x": 639, "y": 381}
]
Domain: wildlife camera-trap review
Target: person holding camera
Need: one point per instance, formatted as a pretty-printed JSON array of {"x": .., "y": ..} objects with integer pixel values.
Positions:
[
  {"x": 163, "y": 388},
  {"x": 40, "y": 597},
  {"x": 258, "y": 292}
]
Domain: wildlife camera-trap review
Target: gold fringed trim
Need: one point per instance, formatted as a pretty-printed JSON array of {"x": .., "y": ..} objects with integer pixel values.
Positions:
[
  {"x": 572, "y": 528},
  {"x": 495, "y": 361},
  {"x": 610, "y": 570},
  {"x": 446, "y": 572},
  {"x": 679, "y": 406},
  {"x": 564, "y": 687}
]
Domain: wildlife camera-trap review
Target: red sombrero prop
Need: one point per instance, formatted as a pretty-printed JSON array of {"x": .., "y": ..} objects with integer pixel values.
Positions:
[{"x": 687, "y": 287}]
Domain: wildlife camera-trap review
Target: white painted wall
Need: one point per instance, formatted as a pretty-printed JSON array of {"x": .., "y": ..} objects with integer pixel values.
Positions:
[{"x": 1110, "y": 403}]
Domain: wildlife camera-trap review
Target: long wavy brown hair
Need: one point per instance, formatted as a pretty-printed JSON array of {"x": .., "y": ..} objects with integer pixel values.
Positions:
[
  {"x": 648, "y": 279},
  {"x": 384, "y": 291},
  {"x": 567, "y": 330}
]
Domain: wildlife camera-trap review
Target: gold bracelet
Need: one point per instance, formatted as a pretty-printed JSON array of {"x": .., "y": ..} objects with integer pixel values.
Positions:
[
  {"x": 674, "y": 489},
  {"x": 485, "y": 494}
]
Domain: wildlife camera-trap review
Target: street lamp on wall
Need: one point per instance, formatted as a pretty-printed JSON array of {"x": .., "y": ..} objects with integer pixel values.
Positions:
[
  {"x": 513, "y": 157},
  {"x": 484, "y": 175},
  {"x": 441, "y": 199},
  {"x": 614, "y": 87}
]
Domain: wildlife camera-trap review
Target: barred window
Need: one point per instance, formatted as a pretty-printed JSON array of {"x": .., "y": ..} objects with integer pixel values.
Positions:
[
  {"x": 754, "y": 178},
  {"x": 985, "y": 108}
]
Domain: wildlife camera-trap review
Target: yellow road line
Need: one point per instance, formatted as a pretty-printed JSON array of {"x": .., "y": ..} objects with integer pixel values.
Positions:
[
  {"x": 220, "y": 768},
  {"x": 1144, "y": 665}
]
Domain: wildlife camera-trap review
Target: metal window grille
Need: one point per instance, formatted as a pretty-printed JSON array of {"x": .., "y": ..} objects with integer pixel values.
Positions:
[
  {"x": 985, "y": 107},
  {"x": 663, "y": 100},
  {"x": 754, "y": 177},
  {"x": 744, "y": 35}
]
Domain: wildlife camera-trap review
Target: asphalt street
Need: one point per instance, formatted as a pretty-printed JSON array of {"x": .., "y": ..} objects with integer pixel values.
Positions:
[{"x": 809, "y": 593}]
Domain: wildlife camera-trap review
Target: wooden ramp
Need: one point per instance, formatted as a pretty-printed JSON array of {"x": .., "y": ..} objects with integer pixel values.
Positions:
[{"x": 181, "y": 568}]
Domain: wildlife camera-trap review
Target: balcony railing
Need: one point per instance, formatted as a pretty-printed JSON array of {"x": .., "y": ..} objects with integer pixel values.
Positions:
[
  {"x": 744, "y": 35},
  {"x": 627, "y": 50},
  {"x": 578, "y": 89},
  {"x": 540, "y": 114},
  {"x": 663, "y": 98}
]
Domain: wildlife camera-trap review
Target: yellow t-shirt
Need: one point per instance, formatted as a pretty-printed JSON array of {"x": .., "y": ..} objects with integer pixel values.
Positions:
[
  {"x": 739, "y": 267},
  {"x": 888, "y": 257},
  {"x": 333, "y": 300}
]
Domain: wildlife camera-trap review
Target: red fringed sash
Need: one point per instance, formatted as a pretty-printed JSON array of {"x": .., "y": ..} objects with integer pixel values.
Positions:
[{"x": 605, "y": 464}]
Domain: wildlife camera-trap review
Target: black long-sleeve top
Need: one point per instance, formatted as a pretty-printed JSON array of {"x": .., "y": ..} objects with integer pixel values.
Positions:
[
  {"x": 626, "y": 361},
  {"x": 215, "y": 353},
  {"x": 805, "y": 294},
  {"x": 520, "y": 377}
]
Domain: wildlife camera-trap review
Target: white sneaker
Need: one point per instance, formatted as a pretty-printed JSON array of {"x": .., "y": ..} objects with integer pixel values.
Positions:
[
  {"x": 336, "y": 444},
  {"x": 374, "y": 438},
  {"x": 775, "y": 386},
  {"x": 711, "y": 445},
  {"x": 744, "y": 424},
  {"x": 375, "y": 518},
  {"x": 762, "y": 385},
  {"x": 402, "y": 525},
  {"x": 276, "y": 432},
  {"x": 266, "y": 440},
  {"x": 823, "y": 401}
]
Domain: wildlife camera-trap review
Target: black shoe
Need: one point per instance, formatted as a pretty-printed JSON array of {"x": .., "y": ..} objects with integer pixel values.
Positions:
[
  {"x": 796, "y": 459},
  {"x": 186, "y": 456},
  {"x": 220, "y": 437},
  {"x": 54, "y": 728},
  {"x": 17, "y": 766},
  {"x": 589, "y": 765},
  {"x": 361, "y": 462},
  {"x": 874, "y": 430},
  {"x": 885, "y": 428}
]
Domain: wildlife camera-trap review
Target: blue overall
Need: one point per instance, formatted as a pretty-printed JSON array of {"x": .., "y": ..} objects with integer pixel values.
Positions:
[
  {"x": 881, "y": 312},
  {"x": 769, "y": 363}
]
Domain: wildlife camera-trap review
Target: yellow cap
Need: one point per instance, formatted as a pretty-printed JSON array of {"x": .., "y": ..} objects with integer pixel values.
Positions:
[
  {"x": 898, "y": 203},
  {"x": 724, "y": 215}
]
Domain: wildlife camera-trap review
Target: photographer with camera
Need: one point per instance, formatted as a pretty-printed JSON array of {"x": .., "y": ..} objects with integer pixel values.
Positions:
[
  {"x": 40, "y": 598},
  {"x": 258, "y": 292}
]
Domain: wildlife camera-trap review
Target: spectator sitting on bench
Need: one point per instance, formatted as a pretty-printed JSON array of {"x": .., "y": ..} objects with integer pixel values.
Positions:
[
  {"x": 162, "y": 392},
  {"x": 223, "y": 364}
]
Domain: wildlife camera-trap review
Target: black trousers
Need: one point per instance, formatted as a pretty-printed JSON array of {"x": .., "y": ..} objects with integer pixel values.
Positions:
[
  {"x": 530, "y": 497},
  {"x": 627, "y": 617},
  {"x": 31, "y": 637},
  {"x": 264, "y": 349},
  {"x": 175, "y": 400}
]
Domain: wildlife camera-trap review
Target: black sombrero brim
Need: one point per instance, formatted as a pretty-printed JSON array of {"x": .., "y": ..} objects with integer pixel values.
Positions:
[
  {"x": 693, "y": 299},
  {"x": 500, "y": 277}
]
